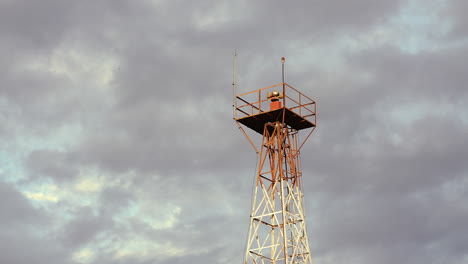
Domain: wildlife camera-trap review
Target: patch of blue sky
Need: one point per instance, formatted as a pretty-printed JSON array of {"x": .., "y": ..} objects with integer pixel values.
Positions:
[
  {"x": 403, "y": 116},
  {"x": 42, "y": 192},
  {"x": 456, "y": 191},
  {"x": 420, "y": 25},
  {"x": 61, "y": 200},
  {"x": 62, "y": 138},
  {"x": 456, "y": 110},
  {"x": 16, "y": 151},
  {"x": 11, "y": 169},
  {"x": 10, "y": 155},
  {"x": 408, "y": 113},
  {"x": 319, "y": 54},
  {"x": 129, "y": 212},
  {"x": 464, "y": 117}
]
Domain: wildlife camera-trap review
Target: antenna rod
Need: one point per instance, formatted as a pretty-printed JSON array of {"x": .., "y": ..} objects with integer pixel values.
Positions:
[
  {"x": 284, "y": 88},
  {"x": 234, "y": 83}
]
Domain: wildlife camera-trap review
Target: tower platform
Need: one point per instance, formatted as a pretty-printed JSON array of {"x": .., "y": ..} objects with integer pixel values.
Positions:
[{"x": 257, "y": 122}]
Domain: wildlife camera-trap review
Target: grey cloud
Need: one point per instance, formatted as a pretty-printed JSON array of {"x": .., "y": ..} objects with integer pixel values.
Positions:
[
  {"x": 16, "y": 209},
  {"x": 423, "y": 75},
  {"x": 158, "y": 136},
  {"x": 39, "y": 250},
  {"x": 113, "y": 200},
  {"x": 18, "y": 217},
  {"x": 454, "y": 16},
  {"x": 33, "y": 26},
  {"x": 51, "y": 163},
  {"x": 369, "y": 198},
  {"x": 322, "y": 15},
  {"x": 395, "y": 222},
  {"x": 84, "y": 228}
]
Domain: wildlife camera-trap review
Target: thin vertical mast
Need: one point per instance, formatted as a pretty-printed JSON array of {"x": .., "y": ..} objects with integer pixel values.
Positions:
[
  {"x": 234, "y": 83},
  {"x": 284, "y": 88}
]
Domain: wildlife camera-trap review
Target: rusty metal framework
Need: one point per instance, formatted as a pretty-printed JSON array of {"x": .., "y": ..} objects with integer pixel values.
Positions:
[{"x": 277, "y": 232}]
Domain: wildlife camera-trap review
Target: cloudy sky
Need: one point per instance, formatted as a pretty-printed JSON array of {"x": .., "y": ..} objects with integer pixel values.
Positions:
[{"x": 117, "y": 143}]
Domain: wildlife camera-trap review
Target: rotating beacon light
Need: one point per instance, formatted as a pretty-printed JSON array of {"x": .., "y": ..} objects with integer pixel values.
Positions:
[{"x": 274, "y": 98}]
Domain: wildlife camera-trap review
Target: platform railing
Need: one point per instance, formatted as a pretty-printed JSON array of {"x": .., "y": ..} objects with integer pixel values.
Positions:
[{"x": 256, "y": 102}]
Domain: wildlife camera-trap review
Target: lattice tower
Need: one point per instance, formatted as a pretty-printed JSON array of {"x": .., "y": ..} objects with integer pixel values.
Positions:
[{"x": 277, "y": 232}]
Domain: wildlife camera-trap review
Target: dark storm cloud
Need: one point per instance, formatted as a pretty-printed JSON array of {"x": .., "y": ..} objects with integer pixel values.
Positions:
[
  {"x": 35, "y": 32},
  {"x": 349, "y": 108},
  {"x": 405, "y": 178},
  {"x": 160, "y": 64},
  {"x": 33, "y": 26},
  {"x": 421, "y": 162},
  {"x": 393, "y": 222},
  {"x": 324, "y": 15},
  {"x": 41, "y": 100},
  {"x": 424, "y": 76}
]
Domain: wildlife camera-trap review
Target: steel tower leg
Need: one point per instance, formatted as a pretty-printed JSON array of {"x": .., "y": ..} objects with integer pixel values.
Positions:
[{"x": 277, "y": 232}]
